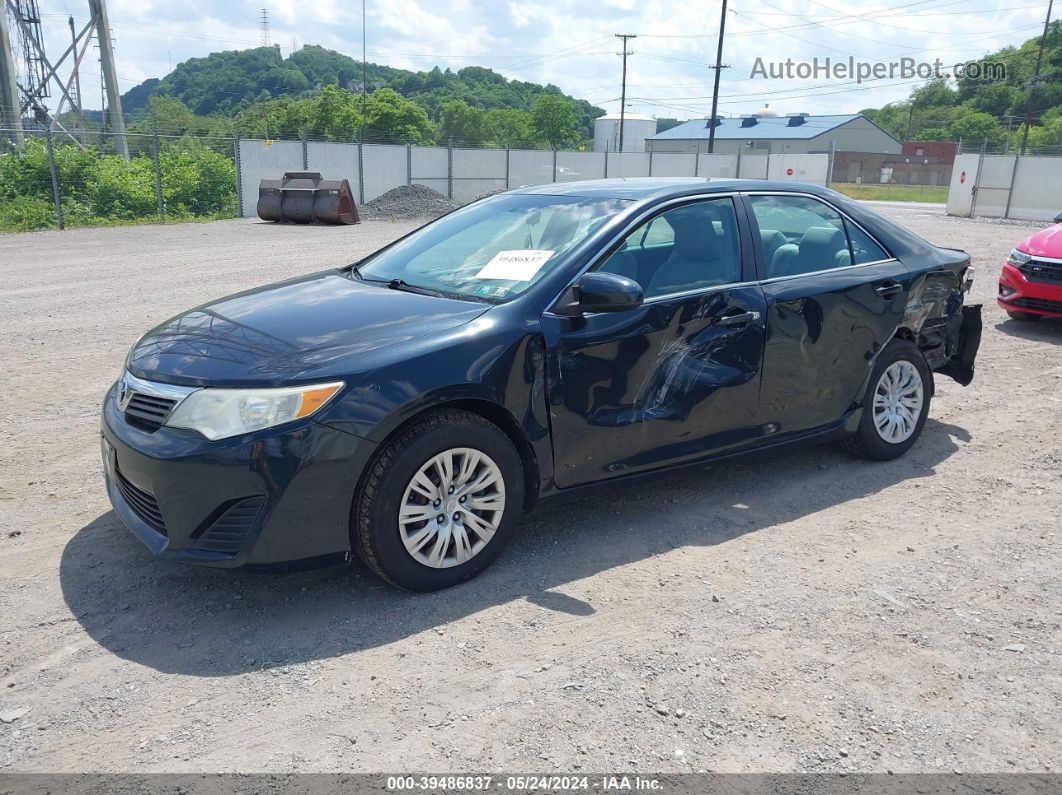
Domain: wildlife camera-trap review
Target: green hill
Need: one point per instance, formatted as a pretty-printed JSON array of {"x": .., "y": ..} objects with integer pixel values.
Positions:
[
  {"x": 975, "y": 110},
  {"x": 225, "y": 83}
]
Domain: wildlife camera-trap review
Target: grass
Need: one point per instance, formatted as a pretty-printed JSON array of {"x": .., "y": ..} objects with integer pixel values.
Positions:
[{"x": 896, "y": 193}]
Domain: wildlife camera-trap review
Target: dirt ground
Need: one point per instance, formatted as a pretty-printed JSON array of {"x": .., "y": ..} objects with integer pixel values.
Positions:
[{"x": 807, "y": 612}]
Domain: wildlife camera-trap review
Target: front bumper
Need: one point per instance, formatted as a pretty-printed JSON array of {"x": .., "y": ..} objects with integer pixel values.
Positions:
[
  {"x": 276, "y": 496},
  {"x": 1019, "y": 294}
]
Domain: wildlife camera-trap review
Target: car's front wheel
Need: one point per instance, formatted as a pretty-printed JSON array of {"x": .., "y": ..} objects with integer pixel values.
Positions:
[
  {"x": 439, "y": 502},
  {"x": 896, "y": 405}
]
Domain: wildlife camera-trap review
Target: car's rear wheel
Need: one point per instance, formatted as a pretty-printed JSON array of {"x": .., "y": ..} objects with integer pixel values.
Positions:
[
  {"x": 896, "y": 405},
  {"x": 1022, "y": 316},
  {"x": 439, "y": 502}
]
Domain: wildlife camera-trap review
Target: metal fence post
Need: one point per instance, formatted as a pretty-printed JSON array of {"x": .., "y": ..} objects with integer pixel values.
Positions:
[
  {"x": 158, "y": 173},
  {"x": 829, "y": 163},
  {"x": 977, "y": 180},
  {"x": 737, "y": 166},
  {"x": 1013, "y": 176},
  {"x": 361, "y": 173},
  {"x": 239, "y": 175},
  {"x": 650, "y": 162},
  {"x": 55, "y": 178},
  {"x": 697, "y": 160},
  {"x": 606, "y": 159},
  {"x": 507, "y": 166},
  {"x": 305, "y": 154},
  {"x": 450, "y": 169},
  {"x": 409, "y": 164},
  {"x": 554, "y": 164}
]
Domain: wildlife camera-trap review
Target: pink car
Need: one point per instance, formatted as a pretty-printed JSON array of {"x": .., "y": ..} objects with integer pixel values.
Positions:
[{"x": 1030, "y": 286}]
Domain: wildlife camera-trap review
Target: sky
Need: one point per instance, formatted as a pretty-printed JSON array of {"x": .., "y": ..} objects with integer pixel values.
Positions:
[{"x": 572, "y": 43}]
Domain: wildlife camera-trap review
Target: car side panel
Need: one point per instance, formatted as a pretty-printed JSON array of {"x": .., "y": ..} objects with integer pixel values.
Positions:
[
  {"x": 824, "y": 331},
  {"x": 491, "y": 364}
]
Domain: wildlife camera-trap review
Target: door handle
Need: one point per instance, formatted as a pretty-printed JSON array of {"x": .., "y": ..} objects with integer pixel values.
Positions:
[
  {"x": 888, "y": 288},
  {"x": 739, "y": 319}
]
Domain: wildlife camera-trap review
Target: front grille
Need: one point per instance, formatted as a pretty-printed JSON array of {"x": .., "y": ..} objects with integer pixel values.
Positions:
[
  {"x": 1038, "y": 270},
  {"x": 141, "y": 503},
  {"x": 148, "y": 411},
  {"x": 1043, "y": 304},
  {"x": 229, "y": 531}
]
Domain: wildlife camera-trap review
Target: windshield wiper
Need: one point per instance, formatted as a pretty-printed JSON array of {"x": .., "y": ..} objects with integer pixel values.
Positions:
[{"x": 406, "y": 287}]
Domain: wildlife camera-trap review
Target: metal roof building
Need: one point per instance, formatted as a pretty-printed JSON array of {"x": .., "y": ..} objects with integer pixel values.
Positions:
[{"x": 798, "y": 133}]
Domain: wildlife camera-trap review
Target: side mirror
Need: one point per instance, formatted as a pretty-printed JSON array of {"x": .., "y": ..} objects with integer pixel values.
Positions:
[
  {"x": 1058, "y": 218},
  {"x": 607, "y": 292}
]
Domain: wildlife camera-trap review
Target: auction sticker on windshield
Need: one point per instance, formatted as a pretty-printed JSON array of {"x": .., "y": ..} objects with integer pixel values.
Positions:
[{"x": 517, "y": 265}]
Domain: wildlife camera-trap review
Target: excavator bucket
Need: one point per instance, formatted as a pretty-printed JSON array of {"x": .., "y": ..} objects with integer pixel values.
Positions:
[{"x": 303, "y": 197}]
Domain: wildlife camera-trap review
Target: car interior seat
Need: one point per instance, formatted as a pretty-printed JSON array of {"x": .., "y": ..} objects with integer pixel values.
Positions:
[
  {"x": 821, "y": 248},
  {"x": 702, "y": 256},
  {"x": 772, "y": 241}
]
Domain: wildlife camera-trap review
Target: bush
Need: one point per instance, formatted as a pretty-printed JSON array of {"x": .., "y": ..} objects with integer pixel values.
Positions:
[
  {"x": 98, "y": 188},
  {"x": 197, "y": 180},
  {"x": 26, "y": 212}
]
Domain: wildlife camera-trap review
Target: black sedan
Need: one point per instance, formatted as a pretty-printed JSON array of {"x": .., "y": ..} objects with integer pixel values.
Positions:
[{"x": 411, "y": 406}]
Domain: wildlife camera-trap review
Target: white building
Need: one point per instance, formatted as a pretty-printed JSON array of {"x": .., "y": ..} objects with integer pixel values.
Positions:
[{"x": 636, "y": 128}]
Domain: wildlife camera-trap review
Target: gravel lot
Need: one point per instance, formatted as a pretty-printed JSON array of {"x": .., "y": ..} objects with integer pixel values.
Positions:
[{"x": 806, "y": 612}]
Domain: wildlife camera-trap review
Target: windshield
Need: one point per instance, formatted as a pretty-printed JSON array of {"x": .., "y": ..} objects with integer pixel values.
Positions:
[{"x": 493, "y": 249}]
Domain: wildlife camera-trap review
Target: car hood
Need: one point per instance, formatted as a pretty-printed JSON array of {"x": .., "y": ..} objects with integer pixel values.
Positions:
[
  {"x": 1045, "y": 243},
  {"x": 290, "y": 332}
]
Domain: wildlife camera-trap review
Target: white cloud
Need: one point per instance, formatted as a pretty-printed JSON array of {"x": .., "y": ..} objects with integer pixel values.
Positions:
[{"x": 571, "y": 43}]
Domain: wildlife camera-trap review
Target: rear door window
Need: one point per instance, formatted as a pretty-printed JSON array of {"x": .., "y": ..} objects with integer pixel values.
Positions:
[{"x": 800, "y": 235}]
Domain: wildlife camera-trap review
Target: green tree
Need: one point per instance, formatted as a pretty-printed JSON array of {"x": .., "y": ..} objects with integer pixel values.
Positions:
[
  {"x": 511, "y": 127},
  {"x": 392, "y": 117},
  {"x": 970, "y": 125},
  {"x": 553, "y": 118},
  {"x": 464, "y": 125}
]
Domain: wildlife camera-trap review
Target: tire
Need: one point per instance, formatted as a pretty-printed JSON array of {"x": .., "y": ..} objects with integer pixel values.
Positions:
[
  {"x": 418, "y": 551},
  {"x": 1023, "y": 317},
  {"x": 900, "y": 365}
]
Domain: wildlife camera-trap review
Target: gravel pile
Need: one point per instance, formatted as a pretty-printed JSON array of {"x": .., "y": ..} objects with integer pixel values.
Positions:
[{"x": 407, "y": 203}]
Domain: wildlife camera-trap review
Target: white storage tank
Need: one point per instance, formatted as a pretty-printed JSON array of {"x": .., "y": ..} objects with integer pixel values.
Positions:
[{"x": 636, "y": 128}]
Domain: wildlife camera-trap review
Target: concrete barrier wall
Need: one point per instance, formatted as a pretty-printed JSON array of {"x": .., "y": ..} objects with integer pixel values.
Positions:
[
  {"x": 465, "y": 174},
  {"x": 1006, "y": 186}
]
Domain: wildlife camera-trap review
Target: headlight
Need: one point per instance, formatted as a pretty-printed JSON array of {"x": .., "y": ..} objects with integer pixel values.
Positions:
[
  {"x": 1018, "y": 258},
  {"x": 220, "y": 413}
]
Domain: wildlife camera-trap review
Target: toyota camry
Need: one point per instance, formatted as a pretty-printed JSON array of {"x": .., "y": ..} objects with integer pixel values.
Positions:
[{"x": 409, "y": 407}]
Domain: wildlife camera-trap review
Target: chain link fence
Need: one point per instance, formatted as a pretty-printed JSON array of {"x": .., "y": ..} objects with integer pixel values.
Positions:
[{"x": 52, "y": 180}]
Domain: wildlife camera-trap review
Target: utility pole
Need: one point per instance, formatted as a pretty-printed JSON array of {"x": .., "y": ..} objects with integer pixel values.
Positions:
[
  {"x": 718, "y": 70},
  {"x": 110, "y": 76},
  {"x": 623, "y": 85},
  {"x": 10, "y": 109},
  {"x": 1035, "y": 80}
]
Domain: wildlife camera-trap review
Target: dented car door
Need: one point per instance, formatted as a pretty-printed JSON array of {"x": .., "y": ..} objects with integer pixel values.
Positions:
[{"x": 678, "y": 377}]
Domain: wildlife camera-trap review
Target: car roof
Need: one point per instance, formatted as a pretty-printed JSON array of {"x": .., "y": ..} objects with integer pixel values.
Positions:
[{"x": 639, "y": 188}]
